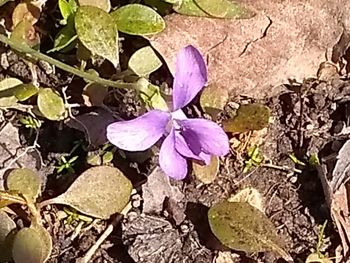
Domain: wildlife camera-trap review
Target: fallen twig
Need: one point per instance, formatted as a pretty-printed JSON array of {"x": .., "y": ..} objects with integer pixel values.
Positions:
[{"x": 104, "y": 236}]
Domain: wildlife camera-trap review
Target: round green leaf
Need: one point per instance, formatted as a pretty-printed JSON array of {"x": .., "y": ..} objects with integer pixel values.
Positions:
[
  {"x": 144, "y": 61},
  {"x": 136, "y": 19},
  {"x": 29, "y": 246},
  {"x": 151, "y": 95},
  {"x": 46, "y": 241},
  {"x": 24, "y": 33},
  {"x": 207, "y": 173},
  {"x": 24, "y": 91},
  {"x": 240, "y": 226},
  {"x": 24, "y": 181},
  {"x": 99, "y": 192},
  {"x": 7, "y": 225},
  {"x": 9, "y": 83},
  {"x": 102, "y": 4},
  {"x": 98, "y": 32},
  {"x": 7, "y": 97},
  {"x": 189, "y": 8},
  {"x": 224, "y": 9},
  {"x": 249, "y": 117},
  {"x": 51, "y": 104},
  {"x": 213, "y": 99}
]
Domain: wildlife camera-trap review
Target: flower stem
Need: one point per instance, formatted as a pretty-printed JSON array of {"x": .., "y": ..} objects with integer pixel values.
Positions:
[{"x": 25, "y": 49}]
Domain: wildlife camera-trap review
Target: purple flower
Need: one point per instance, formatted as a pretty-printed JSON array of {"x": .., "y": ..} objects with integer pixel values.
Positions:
[{"x": 185, "y": 138}]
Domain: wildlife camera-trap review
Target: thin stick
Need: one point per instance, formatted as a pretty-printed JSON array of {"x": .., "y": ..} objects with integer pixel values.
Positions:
[
  {"x": 40, "y": 56},
  {"x": 282, "y": 168},
  {"x": 104, "y": 236}
]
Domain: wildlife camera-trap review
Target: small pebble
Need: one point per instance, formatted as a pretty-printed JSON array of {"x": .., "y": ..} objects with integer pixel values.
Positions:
[
  {"x": 309, "y": 127},
  {"x": 136, "y": 203},
  {"x": 132, "y": 215},
  {"x": 293, "y": 179},
  {"x": 136, "y": 200},
  {"x": 3, "y": 61},
  {"x": 184, "y": 229},
  {"x": 47, "y": 67}
]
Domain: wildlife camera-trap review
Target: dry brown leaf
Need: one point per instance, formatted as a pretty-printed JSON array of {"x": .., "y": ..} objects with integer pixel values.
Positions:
[
  {"x": 94, "y": 94},
  {"x": 26, "y": 11},
  {"x": 337, "y": 192},
  {"x": 285, "y": 40},
  {"x": 251, "y": 196},
  {"x": 93, "y": 124}
]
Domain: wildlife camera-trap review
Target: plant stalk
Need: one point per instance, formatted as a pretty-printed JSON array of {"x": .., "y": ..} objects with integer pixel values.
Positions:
[{"x": 25, "y": 49}]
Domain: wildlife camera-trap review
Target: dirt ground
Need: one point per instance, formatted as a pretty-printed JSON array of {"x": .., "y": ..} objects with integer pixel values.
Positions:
[{"x": 306, "y": 118}]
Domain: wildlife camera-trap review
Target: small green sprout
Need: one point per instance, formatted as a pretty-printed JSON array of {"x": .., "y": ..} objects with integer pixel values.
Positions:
[
  {"x": 295, "y": 159},
  {"x": 314, "y": 160},
  {"x": 104, "y": 156},
  {"x": 255, "y": 158},
  {"x": 30, "y": 122},
  {"x": 74, "y": 216},
  {"x": 318, "y": 257},
  {"x": 66, "y": 165}
]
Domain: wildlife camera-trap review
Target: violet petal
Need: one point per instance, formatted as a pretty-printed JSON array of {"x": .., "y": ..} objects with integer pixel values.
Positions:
[
  {"x": 185, "y": 150},
  {"x": 190, "y": 76},
  {"x": 178, "y": 115},
  {"x": 204, "y": 135},
  {"x": 139, "y": 134},
  {"x": 172, "y": 163}
]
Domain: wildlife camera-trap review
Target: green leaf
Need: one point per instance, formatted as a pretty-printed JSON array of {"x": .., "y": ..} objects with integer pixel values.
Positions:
[
  {"x": 7, "y": 226},
  {"x": 213, "y": 8},
  {"x": 105, "y": 5},
  {"x": 136, "y": 19},
  {"x": 7, "y": 97},
  {"x": 213, "y": 99},
  {"x": 240, "y": 226},
  {"x": 66, "y": 9},
  {"x": 2, "y": 2},
  {"x": 65, "y": 38},
  {"x": 30, "y": 246},
  {"x": 189, "y": 8},
  {"x": 207, "y": 173},
  {"x": 224, "y": 9},
  {"x": 151, "y": 96},
  {"x": 24, "y": 33},
  {"x": 174, "y": 2},
  {"x": 99, "y": 192},
  {"x": 46, "y": 241},
  {"x": 11, "y": 197},
  {"x": 144, "y": 61},
  {"x": 97, "y": 31},
  {"x": 51, "y": 104},
  {"x": 25, "y": 181},
  {"x": 317, "y": 258},
  {"x": 249, "y": 117},
  {"x": 8, "y": 83},
  {"x": 163, "y": 8},
  {"x": 107, "y": 157},
  {"x": 24, "y": 91}
]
